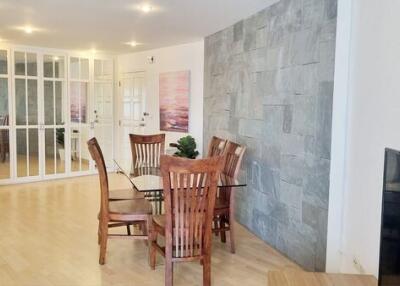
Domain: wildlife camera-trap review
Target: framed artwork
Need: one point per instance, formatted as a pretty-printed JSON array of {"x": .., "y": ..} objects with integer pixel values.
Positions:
[{"x": 174, "y": 90}]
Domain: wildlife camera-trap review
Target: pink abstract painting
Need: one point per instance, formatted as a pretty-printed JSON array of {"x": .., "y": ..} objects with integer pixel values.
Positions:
[{"x": 174, "y": 101}]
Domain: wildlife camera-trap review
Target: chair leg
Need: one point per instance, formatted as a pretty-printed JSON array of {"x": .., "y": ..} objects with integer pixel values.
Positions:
[
  {"x": 149, "y": 233},
  {"x": 103, "y": 242},
  {"x": 232, "y": 231},
  {"x": 153, "y": 251},
  {"x": 222, "y": 225},
  {"x": 128, "y": 229},
  {"x": 98, "y": 234},
  {"x": 207, "y": 271},
  {"x": 169, "y": 272},
  {"x": 215, "y": 223}
]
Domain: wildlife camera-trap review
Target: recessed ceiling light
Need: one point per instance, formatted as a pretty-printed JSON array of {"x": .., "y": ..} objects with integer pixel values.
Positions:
[
  {"x": 132, "y": 44},
  {"x": 56, "y": 58},
  {"x": 28, "y": 29},
  {"x": 146, "y": 8}
]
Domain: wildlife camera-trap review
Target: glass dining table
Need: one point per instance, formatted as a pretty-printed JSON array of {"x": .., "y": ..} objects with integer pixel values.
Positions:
[{"x": 148, "y": 180}]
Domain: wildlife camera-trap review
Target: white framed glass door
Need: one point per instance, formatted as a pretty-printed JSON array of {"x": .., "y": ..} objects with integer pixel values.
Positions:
[
  {"x": 5, "y": 108},
  {"x": 26, "y": 114},
  {"x": 79, "y": 105},
  {"x": 54, "y": 112},
  {"x": 131, "y": 113}
]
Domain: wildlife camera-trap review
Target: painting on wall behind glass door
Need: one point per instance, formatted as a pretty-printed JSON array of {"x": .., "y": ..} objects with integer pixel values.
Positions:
[{"x": 174, "y": 101}]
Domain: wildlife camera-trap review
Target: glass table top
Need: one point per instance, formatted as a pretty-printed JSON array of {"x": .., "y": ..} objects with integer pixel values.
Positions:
[{"x": 148, "y": 179}]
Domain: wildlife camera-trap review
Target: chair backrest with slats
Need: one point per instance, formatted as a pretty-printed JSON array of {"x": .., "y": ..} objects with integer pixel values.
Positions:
[
  {"x": 189, "y": 194},
  {"x": 234, "y": 156},
  {"x": 147, "y": 149},
  {"x": 216, "y": 146},
  {"x": 97, "y": 156}
]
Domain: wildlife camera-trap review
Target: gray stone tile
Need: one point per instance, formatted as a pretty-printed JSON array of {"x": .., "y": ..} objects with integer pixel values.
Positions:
[
  {"x": 287, "y": 118},
  {"x": 305, "y": 47},
  {"x": 313, "y": 13},
  {"x": 331, "y": 9},
  {"x": 271, "y": 156},
  {"x": 264, "y": 226},
  {"x": 261, "y": 37},
  {"x": 291, "y": 195},
  {"x": 316, "y": 181},
  {"x": 304, "y": 115},
  {"x": 292, "y": 169},
  {"x": 250, "y": 128},
  {"x": 292, "y": 144},
  {"x": 238, "y": 31},
  {"x": 323, "y": 133}
]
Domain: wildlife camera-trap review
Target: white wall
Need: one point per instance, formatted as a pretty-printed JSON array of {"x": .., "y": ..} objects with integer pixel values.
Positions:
[
  {"x": 374, "y": 116},
  {"x": 339, "y": 136},
  {"x": 176, "y": 58}
]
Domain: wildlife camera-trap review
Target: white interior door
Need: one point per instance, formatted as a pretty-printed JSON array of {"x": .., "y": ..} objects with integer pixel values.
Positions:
[
  {"x": 131, "y": 113},
  {"x": 103, "y": 107}
]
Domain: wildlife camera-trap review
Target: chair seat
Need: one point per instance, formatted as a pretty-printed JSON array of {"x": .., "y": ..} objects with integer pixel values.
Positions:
[
  {"x": 130, "y": 207},
  {"x": 125, "y": 194}
]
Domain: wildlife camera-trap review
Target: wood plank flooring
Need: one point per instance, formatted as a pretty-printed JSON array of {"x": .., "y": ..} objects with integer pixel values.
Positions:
[{"x": 48, "y": 236}]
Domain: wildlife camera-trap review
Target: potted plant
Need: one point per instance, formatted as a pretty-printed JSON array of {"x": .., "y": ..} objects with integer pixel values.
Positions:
[
  {"x": 60, "y": 132},
  {"x": 186, "y": 147}
]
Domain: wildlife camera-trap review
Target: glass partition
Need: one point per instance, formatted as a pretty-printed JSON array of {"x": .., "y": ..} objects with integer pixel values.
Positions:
[
  {"x": 54, "y": 109},
  {"x": 26, "y": 114},
  {"x": 79, "y": 108},
  {"x": 5, "y": 170}
]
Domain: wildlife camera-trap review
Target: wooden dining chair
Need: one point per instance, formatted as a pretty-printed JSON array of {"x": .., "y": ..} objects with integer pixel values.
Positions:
[
  {"x": 189, "y": 195},
  {"x": 225, "y": 202},
  {"x": 216, "y": 146},
  {"x": 146, "y": 150},
  {"x": 117, "y": 213}
]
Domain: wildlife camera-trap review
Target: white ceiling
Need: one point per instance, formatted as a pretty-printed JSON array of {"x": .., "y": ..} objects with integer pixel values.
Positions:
[{"x": 105, "y": 25}]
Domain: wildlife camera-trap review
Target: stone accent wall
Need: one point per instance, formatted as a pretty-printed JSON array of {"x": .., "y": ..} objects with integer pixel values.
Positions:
[{"x": 269, "y": 85}]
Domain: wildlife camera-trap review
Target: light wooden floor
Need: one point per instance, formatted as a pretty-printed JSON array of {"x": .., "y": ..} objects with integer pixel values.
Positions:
[{"x": 48, "y": 236}]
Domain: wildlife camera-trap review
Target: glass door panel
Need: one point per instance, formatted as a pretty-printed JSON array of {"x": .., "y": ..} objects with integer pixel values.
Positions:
[
  {"x": 3, "y": 62},
  {"x": 32, "y": 102},
  {"x": 4, "y": 153},
  {"x": 5, "y": 171},
  {"x": 19, "y": 63},
  {"x": 20, "y": 101},
  {"x": 22, "y": 159},
  {"x": 79, "y": 107},
  {"x": 27, "y": 114},
  {"x": 50, "y": 154},
  {"x": 33, "y": 159},
  {"x": 54, "y": 109}
]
